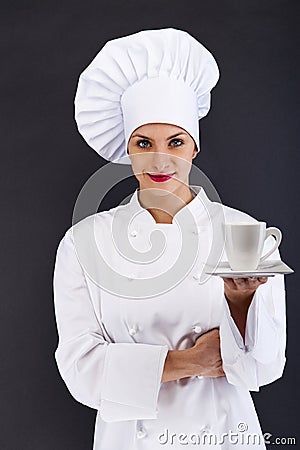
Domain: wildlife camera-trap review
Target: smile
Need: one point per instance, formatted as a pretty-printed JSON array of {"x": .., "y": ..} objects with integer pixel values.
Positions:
[{"x": 159, "y": 178}]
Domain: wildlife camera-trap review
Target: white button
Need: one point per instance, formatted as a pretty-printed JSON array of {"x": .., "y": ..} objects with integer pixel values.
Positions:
[
  {"x": 197, "y": 329},
  {"x": 205, "y": 429},
  {"x": 132, "y": 331},
  {"x": 141, "y": 433},
  {"x": 130, "y": 277},
  {"x": 200, "y": 377},
  {"x": 133, "y": 233},
  {"x": 197, "y": 276}
]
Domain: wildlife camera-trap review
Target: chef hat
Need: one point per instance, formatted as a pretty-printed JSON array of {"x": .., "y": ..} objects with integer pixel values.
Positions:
[{"x": 153, "y": 76}]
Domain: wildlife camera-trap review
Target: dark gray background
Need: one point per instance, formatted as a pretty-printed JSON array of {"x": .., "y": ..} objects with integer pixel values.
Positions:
[{"x": 250, "y": 151}]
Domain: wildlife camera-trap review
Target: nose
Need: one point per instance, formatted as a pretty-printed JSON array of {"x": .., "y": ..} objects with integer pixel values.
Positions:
[{"x": 160, "y": 162}]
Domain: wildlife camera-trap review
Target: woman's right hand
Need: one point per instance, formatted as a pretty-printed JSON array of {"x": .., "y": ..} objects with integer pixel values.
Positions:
[
  {"x": 204, "y": 358},
  {"x": 206, "y": 355}
]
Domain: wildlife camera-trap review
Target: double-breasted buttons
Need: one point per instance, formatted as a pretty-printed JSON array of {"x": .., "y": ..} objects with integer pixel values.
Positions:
[
  {"x": 197, "y": 276},
  {"x": 131, "y": 277},
  {"x": 205, "y": 429},
  {"x": 198, "y": 273},
  {"x": 133, "y": 330},
  {"x": 196, "y": 231},
  {"x": 197, "y": 328},
  {"x": 141, "y": 433}
]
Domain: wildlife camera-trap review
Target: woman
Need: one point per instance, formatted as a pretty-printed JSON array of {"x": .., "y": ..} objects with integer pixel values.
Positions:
[{"x": 165, "y": 355}]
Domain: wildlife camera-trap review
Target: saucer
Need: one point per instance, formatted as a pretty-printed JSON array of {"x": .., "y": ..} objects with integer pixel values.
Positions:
[{"x": 265, "y": 269}]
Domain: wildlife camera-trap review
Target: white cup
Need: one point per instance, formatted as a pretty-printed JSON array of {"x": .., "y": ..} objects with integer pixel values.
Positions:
[{"x": 244, "y": 244}]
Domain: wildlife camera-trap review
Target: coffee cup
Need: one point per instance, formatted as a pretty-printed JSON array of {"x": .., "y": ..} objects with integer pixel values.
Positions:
[{"x": 244, "y": 244}]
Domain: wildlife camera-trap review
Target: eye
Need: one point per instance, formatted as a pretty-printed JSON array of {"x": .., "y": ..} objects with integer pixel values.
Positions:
[
  {"x": 144, "y": 143},
  {"x": 176, "y": 142}
]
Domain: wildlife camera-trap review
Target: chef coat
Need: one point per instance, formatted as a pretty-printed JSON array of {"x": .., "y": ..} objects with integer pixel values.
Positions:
[{"x": 112, "y": 348}]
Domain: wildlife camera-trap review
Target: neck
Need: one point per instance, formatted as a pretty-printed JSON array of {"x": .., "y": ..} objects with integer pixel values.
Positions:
[{"x": 164, "y": 207}]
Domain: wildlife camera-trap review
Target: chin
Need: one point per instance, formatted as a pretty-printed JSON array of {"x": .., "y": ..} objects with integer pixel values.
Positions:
[{"x": 161, "y": 189}]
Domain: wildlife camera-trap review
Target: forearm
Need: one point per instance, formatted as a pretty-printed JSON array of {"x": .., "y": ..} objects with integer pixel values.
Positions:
[
  {"x": 239, "y": 309},
  {"x": 179, "y": 364}
]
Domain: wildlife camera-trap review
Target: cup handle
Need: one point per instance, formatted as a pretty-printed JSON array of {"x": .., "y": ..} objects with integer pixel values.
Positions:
[{"x": 278, "y": 236}]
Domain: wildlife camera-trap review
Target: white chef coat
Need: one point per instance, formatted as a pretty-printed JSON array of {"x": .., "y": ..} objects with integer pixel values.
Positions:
[{"x": 112, "y": 349}]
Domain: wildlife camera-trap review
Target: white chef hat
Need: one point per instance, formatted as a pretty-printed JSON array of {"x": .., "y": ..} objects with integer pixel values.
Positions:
[{"x": 153, "y": 76}]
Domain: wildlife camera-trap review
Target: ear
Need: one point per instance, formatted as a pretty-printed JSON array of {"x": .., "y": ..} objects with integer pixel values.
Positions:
[{"x": 195, "y": 153}]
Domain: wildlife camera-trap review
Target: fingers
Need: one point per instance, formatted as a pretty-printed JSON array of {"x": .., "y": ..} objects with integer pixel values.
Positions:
[
  {"x": 262, "y": 279},
  {"x": 221, "y": 373},
  {"x": 209, "y": 354},
  {"x": 208, "y": 336},
  {"x": 214, "y": 332},
  {"x": 229, "y": 283},
  {"x": 215, "y": 373},
  {"x": 244, "y": 283}
]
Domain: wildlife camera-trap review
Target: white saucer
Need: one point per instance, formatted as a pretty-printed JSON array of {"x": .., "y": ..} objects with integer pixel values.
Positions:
[{"x": 265, "y": 269}]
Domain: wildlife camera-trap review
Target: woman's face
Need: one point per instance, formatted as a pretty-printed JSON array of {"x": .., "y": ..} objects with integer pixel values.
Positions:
[{"x": 161, "y": 156}]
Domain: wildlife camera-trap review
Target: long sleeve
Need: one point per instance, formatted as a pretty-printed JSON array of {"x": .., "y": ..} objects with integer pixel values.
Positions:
[
  {"x": 261, "y": 359},
  {"x": 121, "y": 380}
]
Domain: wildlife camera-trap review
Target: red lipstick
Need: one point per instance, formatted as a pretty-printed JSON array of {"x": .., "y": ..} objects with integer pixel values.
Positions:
[{"x": 159, "y": 178}]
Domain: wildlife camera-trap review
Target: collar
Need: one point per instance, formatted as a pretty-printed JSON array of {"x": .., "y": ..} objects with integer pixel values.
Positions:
[{"x": 198, "y": 206}]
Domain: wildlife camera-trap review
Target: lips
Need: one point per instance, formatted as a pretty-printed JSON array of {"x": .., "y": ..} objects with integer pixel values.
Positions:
[{"x": 159, "y": 178}]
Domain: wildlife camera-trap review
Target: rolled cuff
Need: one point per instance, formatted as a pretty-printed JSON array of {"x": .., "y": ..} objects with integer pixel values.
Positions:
[
  {"x": 131, "y": 381},
  {"x": 240, "y": 360}
]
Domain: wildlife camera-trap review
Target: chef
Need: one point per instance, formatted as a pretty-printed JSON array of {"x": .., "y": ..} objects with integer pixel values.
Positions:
[{"x": 166, "y": 354}]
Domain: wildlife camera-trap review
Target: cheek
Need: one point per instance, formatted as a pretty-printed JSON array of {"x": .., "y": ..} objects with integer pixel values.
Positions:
[
  {"x": 139, "y": 165},
  {"x": 183, "y": 162},
  {"x": 140, "y": 161}
]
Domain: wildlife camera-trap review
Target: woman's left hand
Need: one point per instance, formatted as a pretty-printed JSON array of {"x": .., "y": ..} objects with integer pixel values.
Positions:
[{"x": 239, "y": 289}]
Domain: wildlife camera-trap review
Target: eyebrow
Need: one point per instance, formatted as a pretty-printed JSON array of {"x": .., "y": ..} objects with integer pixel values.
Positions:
[{"x": 171, "y": 137}]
